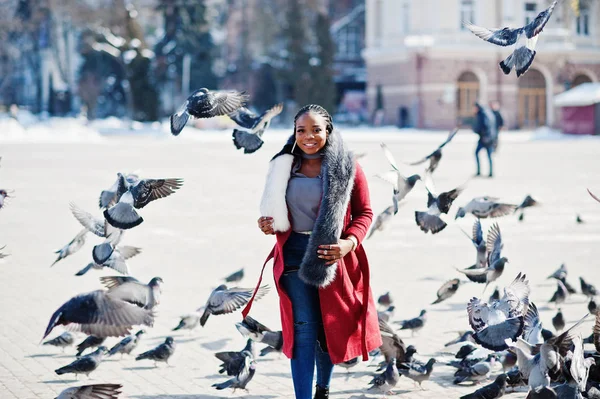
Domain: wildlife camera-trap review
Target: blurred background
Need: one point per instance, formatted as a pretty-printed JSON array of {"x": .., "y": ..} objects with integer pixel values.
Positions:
[{"x": 405, "y": 63}]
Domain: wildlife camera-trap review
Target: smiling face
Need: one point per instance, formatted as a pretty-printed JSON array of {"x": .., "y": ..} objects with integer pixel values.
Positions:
[{"x": 311, "y": 132}]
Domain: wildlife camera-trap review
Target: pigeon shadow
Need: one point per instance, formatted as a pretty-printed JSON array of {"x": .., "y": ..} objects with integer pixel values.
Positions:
[
  {"x": 60, "y": 381},
  {"x": 41, "y": 355},
  {"x": 201, "y": 396},
  {"x": 216, "y": 345},
  {"x": 280, "y": 375},
  {"x": 140, "y": 368},
  {"x": 183, "y": 341},
  {"x": 215, "y": 377}
]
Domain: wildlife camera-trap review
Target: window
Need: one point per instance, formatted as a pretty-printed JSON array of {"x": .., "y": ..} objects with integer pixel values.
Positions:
[
  {"x": 467, "y": 12},
  {"x": 530, "y": 12},
  {"x": 582, "y": 22}
]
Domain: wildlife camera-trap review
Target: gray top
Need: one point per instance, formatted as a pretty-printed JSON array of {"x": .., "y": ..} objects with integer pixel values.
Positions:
[{"x": 303, "y": 197}]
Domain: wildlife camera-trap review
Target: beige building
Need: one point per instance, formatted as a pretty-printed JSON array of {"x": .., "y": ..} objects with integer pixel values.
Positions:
[{"x": 427, "y": 70}]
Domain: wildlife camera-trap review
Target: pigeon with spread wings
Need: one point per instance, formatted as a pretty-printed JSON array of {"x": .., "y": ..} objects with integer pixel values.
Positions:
[
  {"x": 436, "y": 156},
  {"x": 106, "y": 255},
  {"x": 225, "y": 300},
  {"x": 429, "y": 220},
  {"x": 402, "y": 185},
  {"x": 484, "y": 207},
  {"x": 95, "y": 391},
  {"x": 251, "y": 140},
  {"x": 131, "y": 290},
  {"x": 524, "y": 39},
  {"x": 73, "y": 246},
  {"x": 110, "y": 196}
]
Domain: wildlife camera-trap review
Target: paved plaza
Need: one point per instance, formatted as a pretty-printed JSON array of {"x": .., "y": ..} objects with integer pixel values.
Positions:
[{"x": 208, "y": 229}]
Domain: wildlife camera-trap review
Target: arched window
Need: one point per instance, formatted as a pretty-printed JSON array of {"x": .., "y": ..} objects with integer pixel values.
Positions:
[
  {"x": 580, "y": 79},
  {"x": 532, "y": 99}
]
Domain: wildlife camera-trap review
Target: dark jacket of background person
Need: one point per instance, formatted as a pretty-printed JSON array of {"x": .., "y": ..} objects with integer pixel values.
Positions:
[{"x": 484, "y": 124}]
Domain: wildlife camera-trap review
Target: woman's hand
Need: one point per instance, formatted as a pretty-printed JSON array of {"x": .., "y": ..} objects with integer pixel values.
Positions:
[
  {"x": 334, "y": 252},
  {"x": 265, "y": 224}
]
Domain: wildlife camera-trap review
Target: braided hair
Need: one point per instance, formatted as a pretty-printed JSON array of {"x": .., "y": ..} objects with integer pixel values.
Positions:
[{"x": 317, "y": 109}]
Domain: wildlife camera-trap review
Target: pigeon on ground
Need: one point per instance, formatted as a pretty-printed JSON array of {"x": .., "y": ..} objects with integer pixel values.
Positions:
[
  {"x": 127, "y": 344},
  {"x": 560, "y": 295},
  {"x": 593, "y": 196},
  {"x": 242, "y": 378},
  {"x": 235, "y": 277},
  {"x": 430, "y": 221},
  {"x": 383, "y": 219},
  {"x": 402, "y": 185},
  {"x": 225, "y": 300},
  {"x": 542, "y": 392},
  {"x": 579, "y": 219},
  {"x": 251, "y": 140},
  {"x": 232, "y": 361},
  {"x": 587, "y": 289},
  {"x": 532, "y": 331},
  {"x": 94, "y": 391},
  {"x": 85, "y": 364},
  {"x": 418, "y": 373},
  {"x": 204, "y": 103},
  {"x": 260, "y": 333},
  {"x": 73, "y": 246},
  {"x": 3, "y": 196},
  {"x": 409, "y": 358},
  {"x": 188, "y": 322},
  {"x": 568, "y": 286},
  {"x": 560, "y": 273},
  {"x": 99, "y": 313},
  {"x": 495, "y": 323},
  {"x": 62, "y": 341},
  {"x": 435, "y": 157},
  {"x": 593, "y": 307},
  {"x": 524, "y": 39},
  {"x": 130, "y": 289},
  {"x": 386, "y": 314},
  {"x": 414, "y": 324},
  {"x": 476, "y": 373},
  {"x": 161, "y": 353},
  {"x": 387, "y": 380},
  {"x": 463, "y": 336},
  {"x": 447, "y": 290},
  {"x": 484, "y": 207},
  {"x": 491, "y": 391},
  {"x": 385, "y": 300},
  {"x": 123, "y": 214},
  {"x": 558, "y": 321},
  {"x": 89, "y": 342},
  {"x": 392, "y": 346},
  {"x": 116, "y": 260},
  {"x": 111, "y": 196}
]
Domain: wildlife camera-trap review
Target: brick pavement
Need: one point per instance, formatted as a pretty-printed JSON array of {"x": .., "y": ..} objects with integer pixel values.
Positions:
[{"x": 207, "y": 230}]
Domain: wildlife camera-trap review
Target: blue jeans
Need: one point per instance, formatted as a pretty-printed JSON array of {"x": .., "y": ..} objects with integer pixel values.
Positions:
[
  {"x": 489, "y": 148},
  {"x": 308, "y": 333}
]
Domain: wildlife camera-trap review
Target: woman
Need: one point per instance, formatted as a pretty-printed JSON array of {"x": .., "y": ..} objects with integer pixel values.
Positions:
[{"x": 316, "y": 202}]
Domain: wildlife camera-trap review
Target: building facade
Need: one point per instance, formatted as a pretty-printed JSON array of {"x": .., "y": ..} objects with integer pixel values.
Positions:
[{"x": 424, "y": 69}]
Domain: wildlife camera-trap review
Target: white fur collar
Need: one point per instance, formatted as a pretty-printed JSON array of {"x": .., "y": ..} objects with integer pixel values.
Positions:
[{"x": 273, "y": 201}]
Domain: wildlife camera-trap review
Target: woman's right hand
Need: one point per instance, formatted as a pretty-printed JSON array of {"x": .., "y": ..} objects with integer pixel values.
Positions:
[{"x": 265, "y": 224}]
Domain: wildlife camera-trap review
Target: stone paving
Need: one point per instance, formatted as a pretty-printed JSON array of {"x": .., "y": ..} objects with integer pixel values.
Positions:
[{"x": 208, "y": 229}]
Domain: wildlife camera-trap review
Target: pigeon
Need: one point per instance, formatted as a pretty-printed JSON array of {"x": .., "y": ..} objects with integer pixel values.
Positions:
[
  {"x": 408, "y": 358},
  {"x": 188, "y": 322},
  {"x": 587, "y": 289},
  {"x": 97, "y": 226},
  {"x": 495, "y": 263},
  {"x": 495, "y": 295},
  {"x": 558, "y": 321},
  {"x": 85, "y": 364},
  {"x": 94, "y": 391},
  {"x": 161, "y": 353},
  {"x": 524, "y": 39},
  {"x": 475, "y": 373},
  {"x": 484, "y": 207},
  {"x": 402, "y": 185},
  {"x": 386, "y": 314},
  {"x": 89, "y": 343},
  {"x": 392, "y": 347},
  {"x": 101, "y": 314},
  {"x": 479, "y": 243},
  {"x": 3, "y": 255},
  {"x": 593, "y": 196},
  {"x": 465, "y": 351},
  {"x": 430, "y": 221},
  {"x": 527, "y": 203},
  {"x": 501, "y": 320},
  {"x": 111, "y": 196},
  {"x": 235, "y": 277},
  {"x": 251, "y": 140},
  {"x": 116, "y": 259},
  {"x": 568, "y": 286},
  {"x": 3, "y": 196},
  {"x": 129, "y": 289},
  {"x": 62, "y": 341},
  {"x": 542, "y": 392},
  {"x": 232, "y": 361},
  {"x": 414, "y": 324},
  {"x": 435, "y": 157},
  {"x": 560, "y": 273},
  {"x": 560, "y": 295},
  {"x": 242, "y": 378},
  {"x": 521, "y": 217},
  {"x": 593, "y": 307},
  {"x": 532, "y": 331},
  {"x": 225, "y": 300},
  {"x": 204, "y": 103},
  {"x": 385, "y": 300},
  {"x": 579, "y": 369},
  {"x": 260, "y": 333},
  {"x": 387, "y": 380},
  {"x": 123, "y": 214},
  {"x": 73, "y": 246},
  {"x": 447, "y": 290},
  {"x": 383, "y": 219},
  {"x": 596, "y": 333},
  {"x": 127, "y": 344},
  {"x": 418, "y": 373},
  {"x": 491, "y": 391},
  {"x": 463, "y": 336}
]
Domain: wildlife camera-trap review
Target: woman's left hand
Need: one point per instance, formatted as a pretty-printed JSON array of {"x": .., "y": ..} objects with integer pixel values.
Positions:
[{"x": 334, "y": 252}]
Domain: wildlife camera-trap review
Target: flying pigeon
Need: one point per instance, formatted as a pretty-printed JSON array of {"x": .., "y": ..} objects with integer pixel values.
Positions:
[
  {"x": 418, "y": 373},
  {"x": 116, "y": 259},
  {"x": 97, "y": 226},
  {"x": 73, "y": 246},
  {"x": 532, "y": 330},
  {"x": 436, "y": 205},
  {"x": 3, "y": 196},
  {"x": 447, "y": 290},
  {"x": 62, "y": 341},
  {"x": 593, "y": 196},
  {"x": 110, "y": 196},
  {"x": 414, "y": 324},
  {"x": 527, "y": 202},
  {"x": 94, "y": 391},
  {"x": 204, "y": 103},
  {"x": 578, "y": 371},
  {"x": 495, "y": 323},
  {"x": 188, "y": 322},
  {"x": 233, "y": 361},
  {"x": 85, "y": 364},
  {"x": 392, "y": 346},
  {"x": 387, "y": 380},
  {"x": 161, "y": 353},
  {"x": 127, "y": 344},
  {"x": 402, "y": 185},
  {"x": 494, "y": 390},
  {"x": 260, "y": 333},
  {"x": 123, "y": 214},
  {"x": 88, "y": 343},
  {"x": 484, "y": 207},
  {"x": 3, "y": 255},
  {"x": 524, "y": 39},
  {"x": 235, "y": 277},
  {"x": 587, "y": 289},
  {"x": 579, "y": 220},
  {"x": 225, "y": 300},
  {"x": 435, "y": 157},
  {"x": 383, "y": 219},
  {"x": 251, "y": 140},
  {"x": 480, "y": 245},
  {"x": 131, "y": 290},
  {"x": 242, "y": 378}
]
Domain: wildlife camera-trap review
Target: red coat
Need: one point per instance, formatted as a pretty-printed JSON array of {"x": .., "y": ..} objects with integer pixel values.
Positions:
[{"x": 347, "y": 306}]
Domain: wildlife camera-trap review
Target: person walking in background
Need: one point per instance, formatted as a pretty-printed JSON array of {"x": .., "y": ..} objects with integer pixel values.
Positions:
[
  {"x": 484, "y": 124},
  {"x": 495, "y": 106}
]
